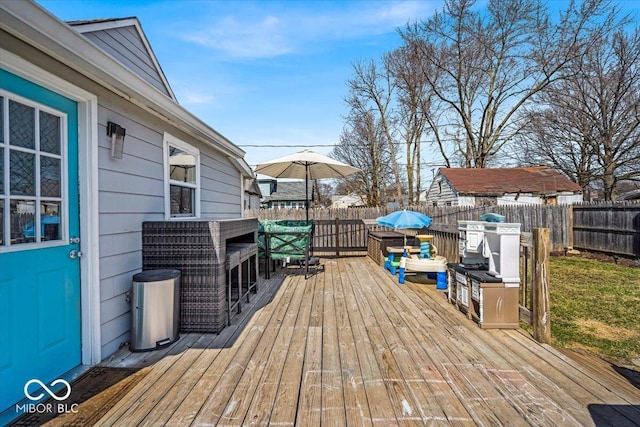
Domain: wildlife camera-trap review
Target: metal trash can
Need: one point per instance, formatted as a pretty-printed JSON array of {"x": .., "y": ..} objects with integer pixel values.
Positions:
[{"x": 155, "y": 309}]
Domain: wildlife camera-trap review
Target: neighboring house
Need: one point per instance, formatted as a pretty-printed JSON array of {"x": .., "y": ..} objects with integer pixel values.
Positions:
[
  {"x": 422, "y": 197},
  {"x": 348, "y": 201},
  {"x": 267, "y": 186},
  {"x": 252, "y": 194},
  {"x": 68, "y": 96},
  {"x": 501, "y": 186},
  {"x": 284, "y": 194}
]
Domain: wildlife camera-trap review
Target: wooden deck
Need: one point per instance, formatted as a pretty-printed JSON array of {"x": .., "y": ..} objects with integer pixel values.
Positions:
[{"x": 349, "y": 346}]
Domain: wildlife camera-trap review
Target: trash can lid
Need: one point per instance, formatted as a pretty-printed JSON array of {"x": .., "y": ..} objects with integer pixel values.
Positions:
[{"x": 156, "y": 275}]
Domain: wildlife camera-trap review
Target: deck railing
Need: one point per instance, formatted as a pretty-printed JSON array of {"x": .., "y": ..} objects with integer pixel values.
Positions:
[
  {"x": 340, "y": 237},
  {"x": 534, "y": 282}
]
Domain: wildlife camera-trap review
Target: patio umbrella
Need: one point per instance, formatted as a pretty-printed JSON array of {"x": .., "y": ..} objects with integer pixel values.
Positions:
[
  {"x": 405, "y": 219},
  {"x": 306, "y": 165}
]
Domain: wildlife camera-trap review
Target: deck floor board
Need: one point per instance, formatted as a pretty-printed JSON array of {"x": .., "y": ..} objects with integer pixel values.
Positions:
[{"x": 350, "y": 346}]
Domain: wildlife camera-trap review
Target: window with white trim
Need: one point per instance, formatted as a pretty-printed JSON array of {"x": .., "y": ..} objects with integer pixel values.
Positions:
[
  {"x": 182, "y": 178},
  {"x": 32, "y": 182}
]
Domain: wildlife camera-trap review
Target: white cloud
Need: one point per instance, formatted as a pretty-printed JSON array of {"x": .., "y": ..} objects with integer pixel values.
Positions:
[
  {"x": 276, "y": 29},
  {"x": 187, "y": 96},
  {"x": 264, "y": 38}
]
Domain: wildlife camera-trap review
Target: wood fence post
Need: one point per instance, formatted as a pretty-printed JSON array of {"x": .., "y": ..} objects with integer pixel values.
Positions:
[
  {"x": 337, "y": 225},
  {"x": 570, "y": 229},
  {"x": 540, "y": 298}
]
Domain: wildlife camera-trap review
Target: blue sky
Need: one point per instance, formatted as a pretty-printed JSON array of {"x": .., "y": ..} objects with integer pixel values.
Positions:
[
  {"x": 268, "y": 73},
  {"x": 262, "y": 72}
]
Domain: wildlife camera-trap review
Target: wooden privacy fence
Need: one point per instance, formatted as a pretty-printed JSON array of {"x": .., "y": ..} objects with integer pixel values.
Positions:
[{"x": 612, "y": 228}]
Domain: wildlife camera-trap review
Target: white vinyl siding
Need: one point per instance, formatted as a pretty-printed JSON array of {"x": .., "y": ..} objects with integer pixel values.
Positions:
[
  {"x": 466, "y": 201},
  {"x": 568, "y": 198},
  {"x": 125, "y": 45},
  {"x": 440, "y": 193},
  {"x": 518, "y": 199},
  {"x": 131, "y": 190}
]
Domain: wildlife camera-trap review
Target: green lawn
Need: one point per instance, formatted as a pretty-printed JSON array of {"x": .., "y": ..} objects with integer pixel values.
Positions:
[{"x": 596, "y": 306}]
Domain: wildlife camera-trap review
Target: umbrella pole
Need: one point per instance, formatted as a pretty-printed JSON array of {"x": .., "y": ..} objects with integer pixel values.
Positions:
[{"x": 306, "y": 189}]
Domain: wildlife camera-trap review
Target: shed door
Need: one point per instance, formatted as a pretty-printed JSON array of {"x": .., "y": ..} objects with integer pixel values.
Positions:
[{"x": 40, "y": 322}]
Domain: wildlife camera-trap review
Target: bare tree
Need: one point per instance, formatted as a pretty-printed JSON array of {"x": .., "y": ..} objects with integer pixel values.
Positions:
[
  {"x": 610, "y": 86},
  {"x": 560, "y": 137},
  {"x": 484, "y": 65},
  {"x": 590, "y": 128},
  {"x": 323, "y": 193},
  {"x": 363, "y": 145},
  {"x": 412, "y": 100},
  {"x": 371, "y": 94}
]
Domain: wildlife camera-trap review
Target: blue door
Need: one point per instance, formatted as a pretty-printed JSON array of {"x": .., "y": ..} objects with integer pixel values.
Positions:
[{"x": 40, "y": 322}]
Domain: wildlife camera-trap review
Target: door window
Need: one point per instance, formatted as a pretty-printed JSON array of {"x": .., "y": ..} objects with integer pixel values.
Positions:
[{"x": 32, "y": 183}]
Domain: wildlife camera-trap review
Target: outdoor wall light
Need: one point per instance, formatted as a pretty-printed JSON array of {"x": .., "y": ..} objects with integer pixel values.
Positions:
[{"x": 117, "y": 133}]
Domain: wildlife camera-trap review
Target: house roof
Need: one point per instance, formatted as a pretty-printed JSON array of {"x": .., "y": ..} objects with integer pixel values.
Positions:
[
  {"x": 290, "y": 191},
  {"x": 251, "y": 187},
  {"x": 132, "y": 40},
  {"x": 496, "y": 181},
  {"x": 630, "y": 195},
  {"x": 34, "y": 25}
]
